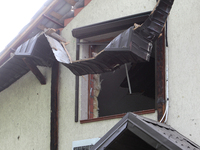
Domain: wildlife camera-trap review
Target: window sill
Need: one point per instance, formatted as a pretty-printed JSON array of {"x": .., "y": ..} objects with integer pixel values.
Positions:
[{"x": 117, "y": 116}]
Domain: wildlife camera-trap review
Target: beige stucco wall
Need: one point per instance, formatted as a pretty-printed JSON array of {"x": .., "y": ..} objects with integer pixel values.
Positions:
[
  {"x": 70, "y": 131},
  {"x": 184, "y": 68},
  {"x": 25, "y": 114},
  {"x": 25, "y": 105}
]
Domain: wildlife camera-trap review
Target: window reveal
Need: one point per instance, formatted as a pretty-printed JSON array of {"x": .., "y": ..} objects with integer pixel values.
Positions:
[{"x": 94, "y": 90}]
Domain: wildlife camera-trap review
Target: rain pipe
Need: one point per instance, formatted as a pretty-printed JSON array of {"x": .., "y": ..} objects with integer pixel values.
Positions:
[{"x": 77, "y": 82}]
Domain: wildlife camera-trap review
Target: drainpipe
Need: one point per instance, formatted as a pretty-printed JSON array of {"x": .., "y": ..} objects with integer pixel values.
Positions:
[{"x": 77, "y": 83}]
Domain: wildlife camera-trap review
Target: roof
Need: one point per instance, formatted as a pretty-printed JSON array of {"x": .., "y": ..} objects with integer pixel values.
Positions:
[
  {"x": 138, "y": 132},
  {"x": 51, "y": 15},
  {"x": 37, "y": 50}
]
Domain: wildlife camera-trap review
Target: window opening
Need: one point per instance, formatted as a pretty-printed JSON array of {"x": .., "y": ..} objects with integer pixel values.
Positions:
[{"x": 109, "y": 93}]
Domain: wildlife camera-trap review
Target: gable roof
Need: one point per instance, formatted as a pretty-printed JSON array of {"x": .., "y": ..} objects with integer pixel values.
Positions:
[{"x": 138, "y": 132}]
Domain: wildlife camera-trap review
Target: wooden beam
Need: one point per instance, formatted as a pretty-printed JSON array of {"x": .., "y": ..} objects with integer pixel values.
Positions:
[
  {"x": 56, "y": 15},
  {"x": 54, "y": 106},
  {"x": 52, "y": 32},
  {"x": 42, "y": 27},
  {"x": 52, "y": 20},
  {"x": 160, "y": 76},
  {"x": 49, "y": 31},
  {"x": 35, "y": 70},
  {"x": 63, "y": 44}
]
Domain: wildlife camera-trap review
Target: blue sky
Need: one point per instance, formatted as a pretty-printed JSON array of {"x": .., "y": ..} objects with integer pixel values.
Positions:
[{"x": 14, "y": 15}]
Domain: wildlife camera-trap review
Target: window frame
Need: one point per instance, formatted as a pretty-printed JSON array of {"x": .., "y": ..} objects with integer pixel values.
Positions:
[
  {"x": 91, "y": 100},
  {"x": 159, "y": 87},
  {"x": 160, "y": 74}
]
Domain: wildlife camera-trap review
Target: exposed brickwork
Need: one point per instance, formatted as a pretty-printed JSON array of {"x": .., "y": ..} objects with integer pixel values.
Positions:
[
  {"x": 66, "y": 21},
  {"x": 76, "y": 11},
  {"x": 87, "y": 2}
]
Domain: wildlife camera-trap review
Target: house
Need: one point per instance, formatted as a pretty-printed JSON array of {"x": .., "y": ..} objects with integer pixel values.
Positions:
[{"x": 48, "y": 100}]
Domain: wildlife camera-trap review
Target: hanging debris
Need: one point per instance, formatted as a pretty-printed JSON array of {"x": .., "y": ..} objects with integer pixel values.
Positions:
[{"x": 133, "y": 45}]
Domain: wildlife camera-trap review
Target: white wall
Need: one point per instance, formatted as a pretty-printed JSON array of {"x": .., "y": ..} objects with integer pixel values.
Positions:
[
  {"x": 70, "y": 131},
  {"x": 184, "y": 68},
  {"x": 25, "y": 114}
]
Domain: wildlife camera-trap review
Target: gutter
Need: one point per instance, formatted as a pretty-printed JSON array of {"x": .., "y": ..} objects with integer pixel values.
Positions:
[{"x": 35, "y": 19}]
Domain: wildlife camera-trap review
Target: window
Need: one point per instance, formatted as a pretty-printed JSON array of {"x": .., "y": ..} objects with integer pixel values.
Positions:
[{"x": 109, "y": 93}]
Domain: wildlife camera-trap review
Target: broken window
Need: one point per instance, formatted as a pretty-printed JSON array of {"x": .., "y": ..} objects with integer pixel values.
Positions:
[
  {"x": 132, "y": 49},
  {"x": 110, "y": 94}
]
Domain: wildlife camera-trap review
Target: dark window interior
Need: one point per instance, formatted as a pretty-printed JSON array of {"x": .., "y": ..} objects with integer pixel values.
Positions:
[
  {"x": 129, "y": 141},
  {"x": 114, "y": 97}
]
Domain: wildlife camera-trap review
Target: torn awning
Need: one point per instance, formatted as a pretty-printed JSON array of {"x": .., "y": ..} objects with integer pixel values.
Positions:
[
  {"x": 137, "y": 132},
  {"x": 117, "y": 52},
  {"x": 37, "y": 50},
  {"x": 133, "y": 45}
]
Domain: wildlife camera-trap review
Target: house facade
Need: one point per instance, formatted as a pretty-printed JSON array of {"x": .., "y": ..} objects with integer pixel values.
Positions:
[{"x": 70, "y": 111}]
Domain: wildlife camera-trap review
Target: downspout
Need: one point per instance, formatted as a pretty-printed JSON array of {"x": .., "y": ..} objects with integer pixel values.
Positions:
[
  {"x": 54, "y": 106},
  {"x": 77, "y": 82}
]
